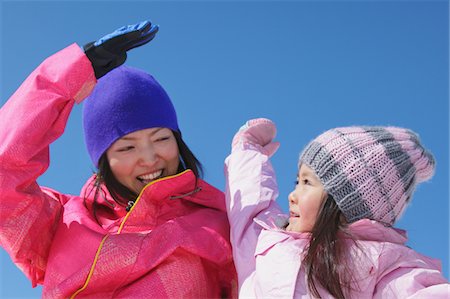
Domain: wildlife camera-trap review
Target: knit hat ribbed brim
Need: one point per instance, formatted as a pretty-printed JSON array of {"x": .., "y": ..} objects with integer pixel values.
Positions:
[{"x": 371, "y": 172}]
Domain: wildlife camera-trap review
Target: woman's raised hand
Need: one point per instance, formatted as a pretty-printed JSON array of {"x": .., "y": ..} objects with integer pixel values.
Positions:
[{"x": 110, "y": 51}]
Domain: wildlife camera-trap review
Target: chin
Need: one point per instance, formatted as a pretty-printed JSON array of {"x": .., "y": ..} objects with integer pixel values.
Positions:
[
  {"x": 296, "y": 229},
  {"x": 291, "y": 228}
]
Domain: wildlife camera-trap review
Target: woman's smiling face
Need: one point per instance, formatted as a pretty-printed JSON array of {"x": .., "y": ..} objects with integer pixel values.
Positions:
[
  {"x": 305, "y": 201},
  {"x": 142, "y": 156}
]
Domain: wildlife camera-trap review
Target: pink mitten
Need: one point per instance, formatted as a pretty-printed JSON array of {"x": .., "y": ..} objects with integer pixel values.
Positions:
[{"x": 259, "y": 131}]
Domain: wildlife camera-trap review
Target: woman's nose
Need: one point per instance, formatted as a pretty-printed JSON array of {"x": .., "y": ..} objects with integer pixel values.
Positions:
[{"x": 147, "y": 156}]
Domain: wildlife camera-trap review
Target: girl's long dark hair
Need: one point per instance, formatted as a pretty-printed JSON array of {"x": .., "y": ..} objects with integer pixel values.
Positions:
[
  {"x": 324, "y": 261},
  {"x": 121, "y": 194}
]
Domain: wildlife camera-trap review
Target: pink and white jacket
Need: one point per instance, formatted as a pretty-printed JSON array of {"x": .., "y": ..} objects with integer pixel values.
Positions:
[
  {"x": 173, "y": 243},
  {"x": 268, "y": 259}
]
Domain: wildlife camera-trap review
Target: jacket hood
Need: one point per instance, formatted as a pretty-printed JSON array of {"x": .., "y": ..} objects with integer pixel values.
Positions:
[
  {"x": 371, "y": 230},
  {"x": 364, "y": 229}
]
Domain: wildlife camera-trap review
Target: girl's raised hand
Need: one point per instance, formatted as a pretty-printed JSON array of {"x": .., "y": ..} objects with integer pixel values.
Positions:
[{"x": 259, "y": 131}]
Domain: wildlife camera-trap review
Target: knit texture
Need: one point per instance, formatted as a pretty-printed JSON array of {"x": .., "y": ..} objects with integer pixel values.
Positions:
[
  {"x": 371, "y": 172},
  {"x": 123, "y": 101}
]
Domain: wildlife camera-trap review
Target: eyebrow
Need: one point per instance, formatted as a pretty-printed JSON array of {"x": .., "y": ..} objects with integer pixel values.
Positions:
[
  {"x": 133, "y": 138},
  {"x": 307, "y": 174}
]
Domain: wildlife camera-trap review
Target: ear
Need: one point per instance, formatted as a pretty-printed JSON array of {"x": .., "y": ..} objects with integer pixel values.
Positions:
[{"x": 342, "y": 220}]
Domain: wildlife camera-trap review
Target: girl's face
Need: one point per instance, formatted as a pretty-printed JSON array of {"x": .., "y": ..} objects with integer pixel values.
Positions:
[
  {"x": 142, "y": 156},
  {"x": 305, "y": 201}
]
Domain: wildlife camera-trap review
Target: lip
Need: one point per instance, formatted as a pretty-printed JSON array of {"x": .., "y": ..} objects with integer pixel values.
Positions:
[
  {"x": 150, "y": 176},
  {"x": 293, "y": 215}
]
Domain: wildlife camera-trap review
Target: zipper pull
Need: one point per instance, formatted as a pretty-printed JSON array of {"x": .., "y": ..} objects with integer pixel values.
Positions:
[{"x": 130, "y": 205}]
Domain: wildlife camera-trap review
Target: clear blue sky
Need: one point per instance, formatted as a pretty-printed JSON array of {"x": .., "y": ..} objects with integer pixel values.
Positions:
[{"x": 308, "y": 65}]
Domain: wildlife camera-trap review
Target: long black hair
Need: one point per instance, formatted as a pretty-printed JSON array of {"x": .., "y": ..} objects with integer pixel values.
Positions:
[
  {"x": 324, "y": 261},
  {"x": 121, "y": 194}
]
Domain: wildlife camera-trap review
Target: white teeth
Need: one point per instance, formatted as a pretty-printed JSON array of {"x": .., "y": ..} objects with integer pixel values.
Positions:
[{"x": 150, "y": 176}]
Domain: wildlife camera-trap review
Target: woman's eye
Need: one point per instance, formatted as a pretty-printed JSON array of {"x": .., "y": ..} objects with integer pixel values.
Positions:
[
  {"x": 296, "y": 182},
  {"x": 306, "y": 182},
  {"x": 125, "y": 148},
  {"x": 162, "y": 138}
]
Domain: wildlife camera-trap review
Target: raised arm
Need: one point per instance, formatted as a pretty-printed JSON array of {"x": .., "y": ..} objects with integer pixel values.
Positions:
[
  {"x": 251, "y": 190},
  {"x": 36, "y": 115},
  {"x": 31, "y": 119}
]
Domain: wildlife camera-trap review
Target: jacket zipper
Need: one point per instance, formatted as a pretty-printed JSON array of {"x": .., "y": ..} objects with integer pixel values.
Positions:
[
  {"x": 133, "y": 204},
  {"x": 130, "y": 206},
  {"x": 91, "y": 271}
]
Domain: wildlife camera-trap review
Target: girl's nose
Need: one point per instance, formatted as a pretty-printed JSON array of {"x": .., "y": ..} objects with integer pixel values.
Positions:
[{"x": 292, "y": 198}]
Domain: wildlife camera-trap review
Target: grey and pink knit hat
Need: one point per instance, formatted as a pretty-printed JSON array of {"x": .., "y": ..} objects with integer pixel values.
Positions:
[{"x": 371, "y": 172}]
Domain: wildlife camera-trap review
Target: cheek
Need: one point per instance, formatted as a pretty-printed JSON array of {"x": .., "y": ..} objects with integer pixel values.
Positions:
[
  {"x": 170, "y": 153},
  {"x": 174, "y": 162},
  {"x": 317, "y": 205},
  {"x": 120, "y": 167},
  {"x": 311, "y": 204}
]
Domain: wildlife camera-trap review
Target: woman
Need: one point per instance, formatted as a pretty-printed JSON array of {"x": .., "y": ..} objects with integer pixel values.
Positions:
[{"x": 146, "y": 225}]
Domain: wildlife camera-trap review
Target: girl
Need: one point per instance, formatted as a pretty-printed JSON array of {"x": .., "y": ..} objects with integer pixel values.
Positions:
[
  {"x": 146, "y": 225},
  {"x": 338, "y": 241}
]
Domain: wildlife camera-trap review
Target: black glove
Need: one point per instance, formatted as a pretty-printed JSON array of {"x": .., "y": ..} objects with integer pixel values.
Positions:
[{"x": 110, "y": 51}]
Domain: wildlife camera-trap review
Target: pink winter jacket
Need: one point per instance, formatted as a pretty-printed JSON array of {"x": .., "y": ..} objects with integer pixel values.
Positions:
[
  {"x": 268, "y": 259},
  {"x": 174, "y": 242}
]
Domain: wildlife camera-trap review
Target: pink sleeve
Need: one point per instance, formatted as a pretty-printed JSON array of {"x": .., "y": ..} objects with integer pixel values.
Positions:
[
  {"x": 409, "y": 274},
  {"x": 30, "y": 120},
  {"x": 413, "y": 283},
  {"x": 251, "y": 190}
]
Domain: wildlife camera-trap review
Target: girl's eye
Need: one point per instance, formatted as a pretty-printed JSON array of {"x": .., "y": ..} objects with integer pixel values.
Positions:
[
  {"x": 296, "y": 182},
  {"x": 306, "y": 182}
]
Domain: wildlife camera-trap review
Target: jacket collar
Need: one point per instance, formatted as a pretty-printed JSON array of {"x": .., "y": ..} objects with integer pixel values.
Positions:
[{"x": 167, "y": 195}]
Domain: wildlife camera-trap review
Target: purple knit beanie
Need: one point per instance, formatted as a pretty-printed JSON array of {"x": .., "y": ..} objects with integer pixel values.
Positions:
[
  {"x": 123, "y": 101},
  {"x": 371, "y": 172}
]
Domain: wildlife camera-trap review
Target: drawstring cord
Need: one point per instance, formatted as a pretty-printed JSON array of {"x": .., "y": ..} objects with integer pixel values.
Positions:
[{"x": 186, "y": 194}]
